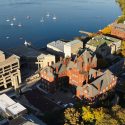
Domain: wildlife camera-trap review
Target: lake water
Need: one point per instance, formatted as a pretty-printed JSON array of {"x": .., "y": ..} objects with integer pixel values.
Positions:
[{"x": 72, "y": 16}]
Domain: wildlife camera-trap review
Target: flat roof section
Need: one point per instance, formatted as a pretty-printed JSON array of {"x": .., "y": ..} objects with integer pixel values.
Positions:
[
  {"x": 5, "y": 101},
  {"x": 7, "y": 105},
  {"x": 57, "y": 44},
  {"x": 101, "y": 39},
  {"x": 16, "y": 108}
]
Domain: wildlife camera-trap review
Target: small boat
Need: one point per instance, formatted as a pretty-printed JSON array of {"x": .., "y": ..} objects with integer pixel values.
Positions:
[
  {"x": 54, "y": 17},
  {"x": 7, "y": 20},
  {"x": 14, "y": 18},
  {"x": 19, "y": 25},
  {"x": 27, "y": 43},
  {"x": 28, "y": 17},
  {"x": 42, "y": 20},
  {"x": 47, "y": 15},
  {"x": 7, "y": 37},
  {"x": 11, "y": 24}
]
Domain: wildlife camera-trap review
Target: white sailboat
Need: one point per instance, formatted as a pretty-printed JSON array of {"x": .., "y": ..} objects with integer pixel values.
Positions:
[
  {"x": 54, "y": 17},
  {"x": 14, "y": 18},
  {"x": 47, "y": 15},
  {"x": 19, "y": 25},
  {"x": 7, "y": 37},
  {"x": 28, "y": 17},
  {"x": 7, "y": 20},
  {"x": 42, "y": 20},
  {"x": 11, "y": 24}
]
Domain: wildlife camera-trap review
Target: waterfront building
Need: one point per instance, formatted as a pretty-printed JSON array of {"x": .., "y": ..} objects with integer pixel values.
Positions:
[
  {"x": 97, "y": 85},
  {"x": 72, "y": 47},
  {"x": 10, "y": 75},
  {"x": 81, "y": 74},
  {"x": 56, "y": 47},
  {"x": 28, "y": 58},
  {"x": 70, "y": 72},
  {"x": 44, "y": 60},
  {"x": 118, "y": 30},
  {"x": 104, "y": 45}
]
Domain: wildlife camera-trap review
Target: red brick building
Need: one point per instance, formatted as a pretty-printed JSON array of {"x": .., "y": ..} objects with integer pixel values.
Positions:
[
  {"x": 75, "y": 73},
  {"x": 99, "y": 85},
  {"x": 118, "y": 30}
]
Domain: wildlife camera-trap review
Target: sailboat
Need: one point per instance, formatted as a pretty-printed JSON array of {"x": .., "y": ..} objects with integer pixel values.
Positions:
[
  {"x": 11, "y": 24},
  {"x": 14, "y": 18},
  {"x": 42, "y": 20},
  {"x": 7, "y": 20},
  {"x": 47, "y": 15},
  {"x": 28, "y": 17},
  {"x": 54, "y": 17},
  {"x": 7, "y": 37},
  {"x": 19, "y": 25}
]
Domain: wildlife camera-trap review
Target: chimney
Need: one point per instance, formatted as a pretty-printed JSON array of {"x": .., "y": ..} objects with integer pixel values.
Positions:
[
  {"x": 95, "y": 75},
  {"x": 47, "y": 63},
  {"x": 99, "y": 87},
  {"x": 87, "y": 79},
  {"x": 52, "y": 63},
  {"x": 61, "y": 59},
  {"x": 51, "y": 70},
  {"x": 56, "y": 69}
]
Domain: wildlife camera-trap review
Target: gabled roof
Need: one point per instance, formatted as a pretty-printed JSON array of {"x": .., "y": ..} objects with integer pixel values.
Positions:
[{"x": 102, "y": 81}]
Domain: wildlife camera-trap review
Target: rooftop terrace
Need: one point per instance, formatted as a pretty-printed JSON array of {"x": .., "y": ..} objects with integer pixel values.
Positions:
[{"x": 101, "y": 39}]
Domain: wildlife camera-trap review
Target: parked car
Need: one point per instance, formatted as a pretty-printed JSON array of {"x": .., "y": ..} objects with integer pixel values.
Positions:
[
  {"x": 71, "y": 104},
  {"x": 65, "y": 105}
]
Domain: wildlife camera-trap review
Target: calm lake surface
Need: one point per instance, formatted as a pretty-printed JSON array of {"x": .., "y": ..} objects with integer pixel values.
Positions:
[{"x": 72, "y": 16}]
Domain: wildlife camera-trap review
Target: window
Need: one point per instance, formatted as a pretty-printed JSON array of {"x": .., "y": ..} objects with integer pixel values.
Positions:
[
  {"x": 6, "y": 67},
  {"x": 14, "y": 64}
]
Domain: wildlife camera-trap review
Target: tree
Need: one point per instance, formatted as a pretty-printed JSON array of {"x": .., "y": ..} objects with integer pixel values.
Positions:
[
  {"x": 119, "y": 114},
  {"x": 107, "y": 120},
  {"x": 99, "y": 115},
  {"x": 87, "y": 114},
  {"x": 72, "y": 117},
  {"x": 106, "y": 30},
  {"x": 123, "y": 48}
]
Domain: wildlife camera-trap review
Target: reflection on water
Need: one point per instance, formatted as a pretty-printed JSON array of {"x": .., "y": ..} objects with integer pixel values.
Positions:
[{"x": 72, "y": 15}]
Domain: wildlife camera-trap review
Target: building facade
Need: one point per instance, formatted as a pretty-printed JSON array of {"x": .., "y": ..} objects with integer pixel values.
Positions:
[
  {"x": 118, "y": 30},
  {"x": 104, "y": 45},
  {"x": 72, "y": 47},
  {"x": 44, "y": 60},
  {"x": 10, "y": 75}
]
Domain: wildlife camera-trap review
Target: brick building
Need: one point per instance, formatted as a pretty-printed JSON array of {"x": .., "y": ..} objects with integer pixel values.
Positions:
[
  {"x": 97, "y": 85},
  {"x": 118, "y": 30},
  {"x": 75, "y": 72},
  {"x": 80, "y": 74}
]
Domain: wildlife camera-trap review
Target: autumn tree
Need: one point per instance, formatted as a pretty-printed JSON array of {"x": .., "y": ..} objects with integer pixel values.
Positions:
[
  {"x": 106, "y": 30},
  {"x": 123, "y": 48},
  {"x": 87, "y": 114},
  {"x": 72, "y": 117}
]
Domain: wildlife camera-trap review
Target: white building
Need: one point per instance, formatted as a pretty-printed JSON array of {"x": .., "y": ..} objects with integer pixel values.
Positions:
[
  {"x": 100, "y": 43},
  {"x": 72, "y": 47},
  {"x": 45, "y": 60},
  {"x": 56, "y": 47},
  {"x": 8, "y": 107},
  {"x": 10, "y": 75}
]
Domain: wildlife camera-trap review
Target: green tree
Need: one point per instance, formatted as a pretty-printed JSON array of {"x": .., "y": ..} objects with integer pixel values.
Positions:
[
  {"x": 72, "y": 117},
  {"x": 87, "y": 114},
  {"x": 119, "y": 114}
]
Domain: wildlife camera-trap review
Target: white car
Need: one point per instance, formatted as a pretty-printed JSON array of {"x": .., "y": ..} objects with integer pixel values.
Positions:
[
  {"x": 71, "y": 104},
  {"x": 65, "y": 105}
]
